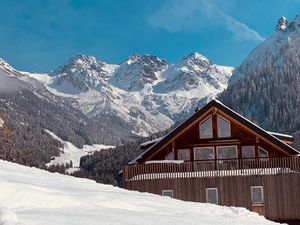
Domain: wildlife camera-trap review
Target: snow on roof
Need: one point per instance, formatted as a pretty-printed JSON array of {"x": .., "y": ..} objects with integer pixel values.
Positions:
[
  {"x": 151, "y": 142},
  {"x": 165, "y": 161},
  {"x": 213, "y": 173},
  {"x": 279, "y": 134}
]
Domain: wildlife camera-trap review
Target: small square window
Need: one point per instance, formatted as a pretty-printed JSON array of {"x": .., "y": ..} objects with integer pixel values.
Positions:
[
  {"x": 168, "y": 193},
  {"x": 257, "y": 195},
  {"x": 212, "y": 195}
]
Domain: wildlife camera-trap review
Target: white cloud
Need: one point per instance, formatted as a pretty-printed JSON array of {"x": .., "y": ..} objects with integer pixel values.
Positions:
[{"x": 194, "y": 15}]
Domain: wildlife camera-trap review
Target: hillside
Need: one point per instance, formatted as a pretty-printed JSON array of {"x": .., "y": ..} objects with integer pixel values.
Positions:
[
  {"x": 31, "y": 196},
  {"x": 87, "y": 102},
  {"x": 27, "y": 109},
  {"x": 265, "y": 87}
]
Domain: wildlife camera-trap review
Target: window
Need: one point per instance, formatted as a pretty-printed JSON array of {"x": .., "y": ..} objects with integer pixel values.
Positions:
[
  {"x": 223, "y": 127},
  {"x": 205, "y": 129},
  {"x": 212, "y": 195},
  {"x": 168, "y": 193},
  {"x": 227, "y": 152},
  {"x": 263, "y": 153},
  {"x": 204, "y": 153},
  {"x": 170, "y": 156},
  {"x": 257, "y": 195},
  {"x": 248, "y": 152},
  {"x": 183, "y": 154}
]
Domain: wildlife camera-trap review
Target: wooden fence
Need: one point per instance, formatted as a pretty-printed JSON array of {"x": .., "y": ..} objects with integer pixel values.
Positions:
[{"x": 211, "y": 168}]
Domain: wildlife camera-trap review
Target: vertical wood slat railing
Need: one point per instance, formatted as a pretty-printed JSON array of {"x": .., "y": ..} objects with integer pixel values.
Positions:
[{"x": 211, "y": 168}]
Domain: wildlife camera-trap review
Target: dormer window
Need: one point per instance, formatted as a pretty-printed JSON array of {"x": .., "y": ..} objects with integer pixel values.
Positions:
[
  {"x": 223, "y": 127},
  {"x": 205, "y": 128}
]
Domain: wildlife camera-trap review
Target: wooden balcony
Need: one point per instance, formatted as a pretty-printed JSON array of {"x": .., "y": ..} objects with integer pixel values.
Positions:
[{"x": 210, "y": 168}]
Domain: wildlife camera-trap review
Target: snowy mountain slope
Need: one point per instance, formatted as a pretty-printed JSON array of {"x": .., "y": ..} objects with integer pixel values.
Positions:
[
  {"x": 81, "y": 73},
  {"x": 137, "y": 71},
  {"x": 31, "y": 196},
  {"x": 28, "y": 108},
  {"x": 270, "y": 52},
  {"x": 144, "y": 91},
  {"x": 69, "y": 152},
  {"x": 266, "y": 86}
]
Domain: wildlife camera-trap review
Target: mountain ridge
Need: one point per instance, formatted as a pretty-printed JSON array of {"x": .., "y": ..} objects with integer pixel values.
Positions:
[{"x": 142, "y": 90}]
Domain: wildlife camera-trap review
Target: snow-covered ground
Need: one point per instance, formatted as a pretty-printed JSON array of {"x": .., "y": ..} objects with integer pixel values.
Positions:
[
  {"x": 70, "y": 152},
  {"x": 31, "y": 196}
]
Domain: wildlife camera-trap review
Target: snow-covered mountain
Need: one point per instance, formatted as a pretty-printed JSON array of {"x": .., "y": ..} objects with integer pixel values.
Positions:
[
  {"x": 27, "y": 109},
  {"x": 29, "y": 196},
  {"x": 266, "y": 86},
  {"x": 144, "y": 91},
  {"x": 271, "y": 51}
]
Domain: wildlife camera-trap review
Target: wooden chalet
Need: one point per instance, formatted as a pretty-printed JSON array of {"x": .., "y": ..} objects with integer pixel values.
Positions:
[{"x": 220, "y": 157}]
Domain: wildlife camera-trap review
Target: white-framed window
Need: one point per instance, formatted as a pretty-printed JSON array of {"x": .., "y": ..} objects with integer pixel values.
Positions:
[
  {"x": 227, "y": 152},
  {"x": 205, "y": 128},
  {"x": 184, "y": 154},
  {"x": 168, "y": 193},
  {"x": 263, "y": 153},
  {"x": 224, "y": 129},
  {"x": 204, "y": 153},
  {"x": 170, "y": 156},
  {"x": 212, "y": 195},
  {"x": 248, "y": 152},
  {"x": 257, "y": 194}
]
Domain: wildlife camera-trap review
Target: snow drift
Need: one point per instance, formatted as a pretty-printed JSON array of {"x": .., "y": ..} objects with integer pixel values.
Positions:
[{"x": 31, "y": 196}]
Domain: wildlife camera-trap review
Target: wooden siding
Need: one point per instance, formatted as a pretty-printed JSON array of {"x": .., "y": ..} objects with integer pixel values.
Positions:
[
  {"x": 280, "y": 178},
  {"x": 240, "y": 136}
]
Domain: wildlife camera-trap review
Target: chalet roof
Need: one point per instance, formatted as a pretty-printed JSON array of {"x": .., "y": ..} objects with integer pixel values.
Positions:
[{"x": 271, "y": 136}]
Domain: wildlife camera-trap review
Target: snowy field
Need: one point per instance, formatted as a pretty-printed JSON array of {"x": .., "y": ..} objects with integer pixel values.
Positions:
[
  {"x": 30, "y": 196},
  {"x": 71, "y": 152}
]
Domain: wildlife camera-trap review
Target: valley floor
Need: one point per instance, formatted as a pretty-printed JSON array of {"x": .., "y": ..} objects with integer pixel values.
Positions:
[{"x": 31, "y": 196}]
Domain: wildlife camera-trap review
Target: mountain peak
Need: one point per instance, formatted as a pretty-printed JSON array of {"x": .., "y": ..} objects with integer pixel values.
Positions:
[
  {"x": 196, "y": 56},
  {"x": 82, "y": 59},
  {"x": 282, "y": 24},
  {"x": 4, "y": 63},
  {"x": 144, "y": 58}
]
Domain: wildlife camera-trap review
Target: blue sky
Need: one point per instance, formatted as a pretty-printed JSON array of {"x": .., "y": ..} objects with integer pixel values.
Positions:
[{"x": 40, "y": 35}]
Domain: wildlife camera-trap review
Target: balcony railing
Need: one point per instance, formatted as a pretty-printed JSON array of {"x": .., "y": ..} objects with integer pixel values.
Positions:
[{"x": 211, "y": 168}]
